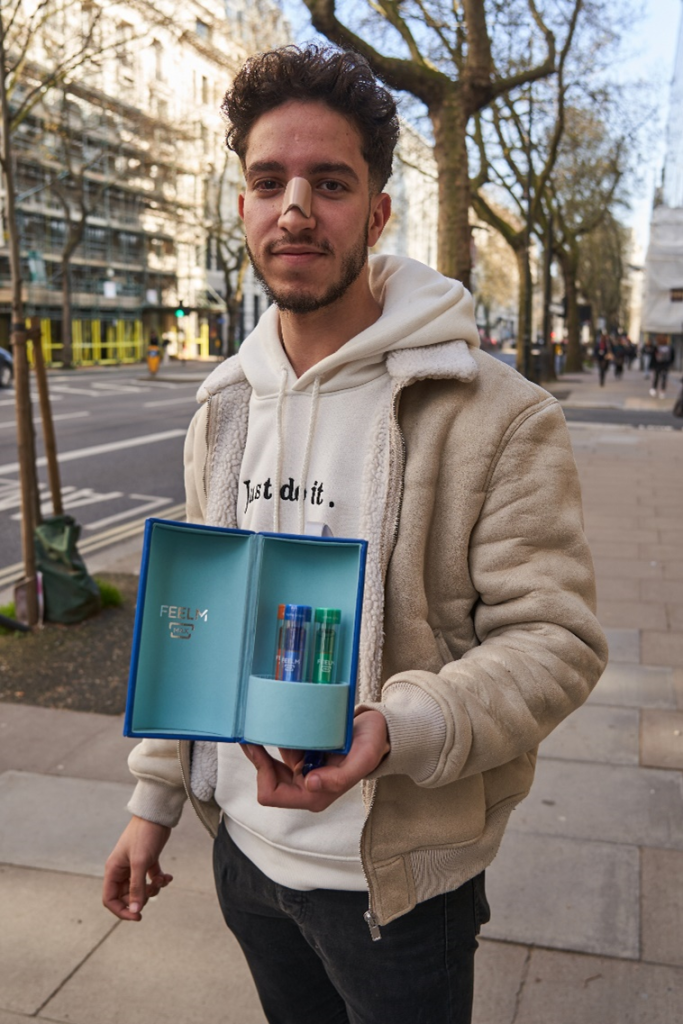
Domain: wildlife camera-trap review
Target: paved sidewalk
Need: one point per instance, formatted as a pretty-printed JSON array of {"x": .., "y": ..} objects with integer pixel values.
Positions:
[{"x": 586, "y": 893}]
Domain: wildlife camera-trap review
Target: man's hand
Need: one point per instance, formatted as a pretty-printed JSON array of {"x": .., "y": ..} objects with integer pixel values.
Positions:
[
  {"x": 284, "y": 785},
  {"x": 132, "y": 874}
]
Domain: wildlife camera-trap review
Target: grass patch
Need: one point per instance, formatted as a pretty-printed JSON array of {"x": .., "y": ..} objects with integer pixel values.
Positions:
[
  {"x": 9, "y": 611},
  {"x": 111, "y": 595}
]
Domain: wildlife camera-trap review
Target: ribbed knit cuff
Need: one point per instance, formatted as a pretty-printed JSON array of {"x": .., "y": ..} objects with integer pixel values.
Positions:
[
  {"x": 417, "y": 731},
  {"x": 157, "y": 802}
]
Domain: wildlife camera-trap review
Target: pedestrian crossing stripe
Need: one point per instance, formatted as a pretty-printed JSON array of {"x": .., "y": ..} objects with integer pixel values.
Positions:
[{"x": 12, "y": 573}]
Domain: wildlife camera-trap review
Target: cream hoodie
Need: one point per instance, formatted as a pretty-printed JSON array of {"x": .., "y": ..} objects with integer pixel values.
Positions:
[{"x": 303, "y": 469}]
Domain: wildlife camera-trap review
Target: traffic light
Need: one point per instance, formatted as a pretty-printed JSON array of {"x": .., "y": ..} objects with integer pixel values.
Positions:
[{"x": 180, "y": 311}]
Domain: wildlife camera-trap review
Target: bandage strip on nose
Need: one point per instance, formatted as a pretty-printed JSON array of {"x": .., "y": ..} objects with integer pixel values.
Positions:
[{"x": 298, "y": 193}]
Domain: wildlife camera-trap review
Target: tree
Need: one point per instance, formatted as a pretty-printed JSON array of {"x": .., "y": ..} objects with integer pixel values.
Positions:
[
  {"x": 444, "y": 55},
  {"x": 582, "y": 191},
  {"x": 519, "y": 163},
  {"x": 83, "y": 164},
  {"x": 496, "y": 275},
  {"x": 24, "y": 81},
  {"x": 601, "y": 273},
  {"x": 225, "y": 227}
]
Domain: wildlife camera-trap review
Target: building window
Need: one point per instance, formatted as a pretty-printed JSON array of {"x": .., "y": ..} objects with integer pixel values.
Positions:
[
  {"x": 677, "y": 294},
  {"x": 205, "y": 90},
  {"x": 202, "y": 29}
]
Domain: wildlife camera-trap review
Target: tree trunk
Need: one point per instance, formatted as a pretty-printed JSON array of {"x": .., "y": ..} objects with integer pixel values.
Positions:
[
  {"x": 67, "y": 342},
  {"x": 521, "y": 256},
  {"x": 569, "y": 261},
  {"x": 454, "y": 253}
]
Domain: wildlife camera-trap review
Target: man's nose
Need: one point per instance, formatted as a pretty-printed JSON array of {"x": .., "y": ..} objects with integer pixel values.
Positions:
[
  {"x": 294, "y": 220},
  {"x": 297, "y": 212}
]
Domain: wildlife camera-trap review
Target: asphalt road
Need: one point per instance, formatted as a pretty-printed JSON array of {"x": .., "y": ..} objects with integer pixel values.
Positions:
[{"x": 120, "y": 442}]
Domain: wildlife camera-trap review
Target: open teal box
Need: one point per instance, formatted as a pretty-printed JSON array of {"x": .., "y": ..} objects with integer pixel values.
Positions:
[{"x": 203, "y": 654}]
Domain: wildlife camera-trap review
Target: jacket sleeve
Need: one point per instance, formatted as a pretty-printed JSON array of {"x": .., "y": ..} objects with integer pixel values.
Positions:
[
  {"x": 541, "y": 649},
  {"x": 160, "y": 794}
]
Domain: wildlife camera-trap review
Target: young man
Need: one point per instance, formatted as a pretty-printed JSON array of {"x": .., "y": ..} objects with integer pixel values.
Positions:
[{"x": 362, "y": 403}]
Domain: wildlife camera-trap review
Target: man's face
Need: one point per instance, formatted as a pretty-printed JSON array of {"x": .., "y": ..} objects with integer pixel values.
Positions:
[{"x": 307, "y": 263}]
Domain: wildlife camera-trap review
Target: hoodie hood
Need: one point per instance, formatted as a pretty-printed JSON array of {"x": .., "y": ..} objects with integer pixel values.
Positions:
[{"x": 420, "y": 309}]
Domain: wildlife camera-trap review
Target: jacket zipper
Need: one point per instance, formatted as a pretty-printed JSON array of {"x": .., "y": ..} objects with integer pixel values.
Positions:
[
  {"x": 207, "y": 438},
  {"x": 369, "y": 916},
  {"x": 193, "y": 800}
]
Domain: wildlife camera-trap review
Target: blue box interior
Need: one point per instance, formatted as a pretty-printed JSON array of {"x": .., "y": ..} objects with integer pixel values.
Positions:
[{"x": 205, "y": 636}]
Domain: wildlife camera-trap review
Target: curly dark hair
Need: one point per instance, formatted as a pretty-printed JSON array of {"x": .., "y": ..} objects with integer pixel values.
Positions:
[{"x": 340, "y": 78}]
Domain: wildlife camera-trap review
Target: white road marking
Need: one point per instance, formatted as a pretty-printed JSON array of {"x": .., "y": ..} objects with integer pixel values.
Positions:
[
  {"x": 10, "y": 401},
  {"x": 100, "y": 449},
  {"x": 151, "y": 503},
  {"x": 62, "y": 416},
  {"x": 67, "y": 389},
  {"x": 86, "y": 496},
  {"x": 11, "y": 573},
  {"x": 121, "y": 389},
  {"x": 168, "y": 401}
]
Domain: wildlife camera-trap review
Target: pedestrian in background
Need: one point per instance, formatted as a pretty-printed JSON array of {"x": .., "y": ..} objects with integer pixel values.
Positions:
[
  {"x": 646, "y": 356},
  {"x": 602, "y": 351},
  {"x": 618, "y": 356},
  {"x": 631, "y": 350},
  {"x": 662, "y": 358}
]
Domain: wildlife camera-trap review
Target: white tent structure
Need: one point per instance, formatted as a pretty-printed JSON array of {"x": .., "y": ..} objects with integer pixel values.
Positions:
[
  {"x": 663, "y": 304},
  {"x": 663, "y": 307}
]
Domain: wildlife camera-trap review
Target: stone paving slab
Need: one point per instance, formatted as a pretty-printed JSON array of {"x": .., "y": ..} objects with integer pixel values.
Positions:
[
  {"x": 623, "y": 569},
  {"x": 499, "y": 969},
  {"x": 596, "y": 733},
  {"x": 179, "y": 964},
  {"x": 635, "y": 614},
  {"x": 624, "y": 645},
  {"x": 566, "y": 894},
  {"x": 567, "y": 988},
  {"x": 615, "y": 588},
  {"x": 636, "y": 686},
  {"x": 607, "y": 803},
  {"x": 38, "y": 739},
  {"x": 661, "y": 648},
  {"x": 72, "y": 825},
  {"x": 661, "y": 741},
  {"x": 662, "y": 907},
  {"x": 65, "y": 913},
  {"x": 60, "y": 824}
]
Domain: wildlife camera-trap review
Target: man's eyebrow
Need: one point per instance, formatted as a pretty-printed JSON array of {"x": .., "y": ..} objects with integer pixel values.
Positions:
[
  {"x": 264, "y": 166},
  {"x": 335, "y": 168},
  {"x": 275, "y": 167}
]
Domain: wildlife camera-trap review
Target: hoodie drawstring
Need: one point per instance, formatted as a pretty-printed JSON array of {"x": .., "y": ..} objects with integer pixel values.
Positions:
[
  {"x": 301, "y": 505},
  {"x": 280, "y": 451}
]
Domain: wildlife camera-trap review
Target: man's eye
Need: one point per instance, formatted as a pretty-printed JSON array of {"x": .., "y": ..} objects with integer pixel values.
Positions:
[
  {"x": 331, "y": 186},
  {"x": 267, "y": 185}
]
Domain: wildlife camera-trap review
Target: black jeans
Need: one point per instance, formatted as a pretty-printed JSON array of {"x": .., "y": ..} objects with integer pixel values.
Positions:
[{"x": 314, "y": 962}]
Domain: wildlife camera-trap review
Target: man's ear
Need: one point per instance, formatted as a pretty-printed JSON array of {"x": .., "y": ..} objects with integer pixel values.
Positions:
[
  {"x": 240, "y": 205},
  {"x": 380, "y": 212}
]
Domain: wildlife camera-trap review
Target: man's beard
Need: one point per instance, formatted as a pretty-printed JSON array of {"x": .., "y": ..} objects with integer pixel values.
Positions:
[{"x": 295, "y": 301}]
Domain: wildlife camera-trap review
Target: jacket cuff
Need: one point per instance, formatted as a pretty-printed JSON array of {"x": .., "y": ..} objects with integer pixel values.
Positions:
[
  {"x": 417, "y": 732},
  {"x": 157, "y": 802}
]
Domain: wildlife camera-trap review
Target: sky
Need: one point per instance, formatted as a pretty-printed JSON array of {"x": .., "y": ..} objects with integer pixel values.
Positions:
[{"x": 651, "y": 50}]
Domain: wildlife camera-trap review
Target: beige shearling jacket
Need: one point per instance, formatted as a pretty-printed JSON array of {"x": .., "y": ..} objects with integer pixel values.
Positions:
[{"x": 479, "y": 634}]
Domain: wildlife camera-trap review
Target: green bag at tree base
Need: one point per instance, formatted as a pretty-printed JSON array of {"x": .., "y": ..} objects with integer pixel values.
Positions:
[{"x": 70, "y": 594}]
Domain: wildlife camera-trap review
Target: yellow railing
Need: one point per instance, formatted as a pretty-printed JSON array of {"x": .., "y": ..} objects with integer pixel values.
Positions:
[{"x": 122, "y": 342}]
